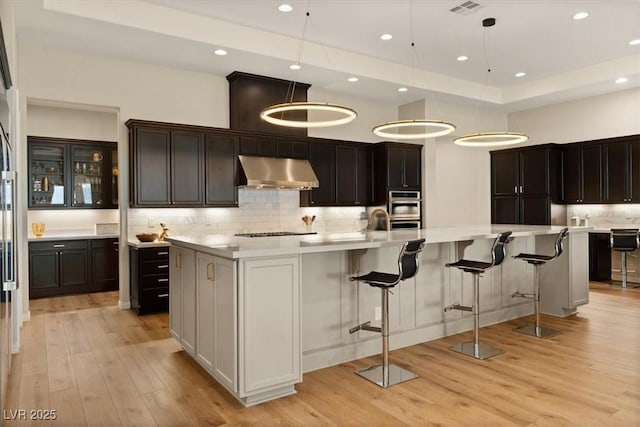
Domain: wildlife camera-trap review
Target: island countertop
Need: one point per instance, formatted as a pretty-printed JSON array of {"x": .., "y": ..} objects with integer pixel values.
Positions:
[{"x": 233, "y": 247}]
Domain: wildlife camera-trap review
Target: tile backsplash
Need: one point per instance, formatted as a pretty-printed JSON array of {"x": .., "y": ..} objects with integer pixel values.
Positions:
[
  {"x": 606, "y": 216},
  {"x": 258, "y": 210}
]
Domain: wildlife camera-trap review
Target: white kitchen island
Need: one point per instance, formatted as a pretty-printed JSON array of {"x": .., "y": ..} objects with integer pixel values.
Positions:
[{"x": 258, "y": 312}]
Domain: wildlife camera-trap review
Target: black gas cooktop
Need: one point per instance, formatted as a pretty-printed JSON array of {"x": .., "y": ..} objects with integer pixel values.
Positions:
[{"x": 274, "y": 234}]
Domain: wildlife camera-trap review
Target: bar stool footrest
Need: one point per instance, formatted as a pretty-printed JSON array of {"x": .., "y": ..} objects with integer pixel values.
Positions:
[
  {"x": 397, "y": 375},
  {"x": 540, "y": 331},
  {"x": 484, "y": 351}
]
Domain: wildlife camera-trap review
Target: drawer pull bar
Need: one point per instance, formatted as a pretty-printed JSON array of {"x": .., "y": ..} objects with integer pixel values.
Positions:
[
  {"x": 163, "y": 295},
  {"x": 163, "y": 266},
  {"x": 163, "y": 280},
  {"x": 58, "y": 246},
  {"x": 163, "y": 253}
]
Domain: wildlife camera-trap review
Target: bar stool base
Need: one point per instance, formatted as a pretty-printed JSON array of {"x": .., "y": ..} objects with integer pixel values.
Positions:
[
  {"x": 541, "y": 331},
  {"x": 485, "y": 351},
  {"x": 397, "y": 375}
]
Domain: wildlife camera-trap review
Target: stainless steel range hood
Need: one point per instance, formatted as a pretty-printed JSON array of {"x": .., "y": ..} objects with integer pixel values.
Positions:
[{"x": 272, "y": 172}]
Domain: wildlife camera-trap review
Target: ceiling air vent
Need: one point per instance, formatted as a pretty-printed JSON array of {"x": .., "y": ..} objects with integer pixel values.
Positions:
[{"x": 466, "y": 8}]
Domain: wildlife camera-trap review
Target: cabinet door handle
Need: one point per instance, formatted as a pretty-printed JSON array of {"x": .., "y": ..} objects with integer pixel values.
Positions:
[
  {"x": 58, "y": 246},
  {"x": 163, "y": 295},
  {"x": 211, "y": 271},
  {"x": 521, "y": 189},
  {"x": 163, "y": 266},
  {"x": 163, "y": 280},
  {"x": 179, "y": 260},
  {"x": 515, "y": 189}
]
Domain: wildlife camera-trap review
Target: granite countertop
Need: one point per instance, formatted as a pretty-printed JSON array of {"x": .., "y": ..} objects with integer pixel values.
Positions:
[{"x": 245, "y": 247}]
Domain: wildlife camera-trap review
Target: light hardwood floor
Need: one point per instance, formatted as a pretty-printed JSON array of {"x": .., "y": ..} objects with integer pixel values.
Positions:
[{"x": 102, "y": 366}]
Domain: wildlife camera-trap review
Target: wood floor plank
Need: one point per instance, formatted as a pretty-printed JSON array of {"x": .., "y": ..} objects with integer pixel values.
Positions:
[
  {"x": 125, "y": 396},
  {"x": 61, "y": 376},
  {"x": 76, "y": 338},
  {"x": 68, "y": 407},
  {"x": 165, "y": 410},
  {"x": 96, "y": 400},
  {"x": 142, "y": 374}
]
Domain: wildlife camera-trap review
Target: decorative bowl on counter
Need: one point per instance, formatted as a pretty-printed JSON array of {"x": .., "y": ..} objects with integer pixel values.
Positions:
[{"x": 147, "y": 237}]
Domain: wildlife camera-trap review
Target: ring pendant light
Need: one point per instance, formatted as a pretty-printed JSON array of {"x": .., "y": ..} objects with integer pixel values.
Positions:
[
  {"x": 418, "y": 128},
  {"x": 268, "y": 114},
  {"x": 490, "y": 139},
  {"x": 439, "y": 128}
]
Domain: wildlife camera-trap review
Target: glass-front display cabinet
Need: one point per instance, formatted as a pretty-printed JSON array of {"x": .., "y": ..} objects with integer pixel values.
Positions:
[{"x": 72, "y": 174}]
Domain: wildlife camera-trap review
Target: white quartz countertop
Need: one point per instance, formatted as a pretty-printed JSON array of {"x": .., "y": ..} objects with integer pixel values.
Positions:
[
  {"x": 247, "y": 247},
  {"x": 135, "y": 243},
  {"x": 52, "y": 235}
]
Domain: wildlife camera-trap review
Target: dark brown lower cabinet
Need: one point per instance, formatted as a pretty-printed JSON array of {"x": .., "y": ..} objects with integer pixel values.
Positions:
[
  {"x": 599, "y": 257},
  {"x": 58, "y": 268},
  {"x": 149, "y": 278},
  {"x": 67, "y": 267},
  {"x": 104, "y": 264}
]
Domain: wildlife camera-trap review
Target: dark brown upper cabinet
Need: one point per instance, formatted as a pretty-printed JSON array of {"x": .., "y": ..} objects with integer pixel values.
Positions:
[
  {"x": 398, "y": 167},
  {"x": 70, "y": 173},
  {"x": 187, "y": 168},
  {"x": 249, "y": 94},
  {"x": 167, "y": 167},
  {"x": 221, "y": 152},
  {"x": 262, "y": 146},
  {"x": 353, "y": 175},
  {"x": 524, "y": 183},
  {"x": 181, "y": 165},
  {"x": 322, "y": 156},
  {"x": 622, "y": 170},
  {"x": 583, "y": 173},
  {"x": 292, "y": 149}
]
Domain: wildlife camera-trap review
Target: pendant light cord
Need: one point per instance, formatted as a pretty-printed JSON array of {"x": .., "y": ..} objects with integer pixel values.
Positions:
[{"x": 304, "y": 33}]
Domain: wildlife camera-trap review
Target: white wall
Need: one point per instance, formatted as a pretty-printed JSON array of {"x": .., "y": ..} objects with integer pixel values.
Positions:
[
  {"x": 603, "y": 116},
  {"x": 456, "y": 184},
  {"x": 76, "y": 123}
]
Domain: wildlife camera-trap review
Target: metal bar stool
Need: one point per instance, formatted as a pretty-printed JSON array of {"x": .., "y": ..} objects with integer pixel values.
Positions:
[
  {"x": 475, "y": 348},
  {"x": 625, "y": 240},
  {"x": 386, "y": 375},
  {"x": 538, "y": 260}
]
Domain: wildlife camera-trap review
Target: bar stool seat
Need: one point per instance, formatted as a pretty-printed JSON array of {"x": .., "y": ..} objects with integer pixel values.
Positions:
[
  {"x": 537, "y": 260},
  {"x": 475, "y": 348},
  {"x": 625, "y": 240},
  {"x": 386, "y": 375}
]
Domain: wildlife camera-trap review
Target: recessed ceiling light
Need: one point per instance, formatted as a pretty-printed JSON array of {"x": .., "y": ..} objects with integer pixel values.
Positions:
[
  {"x": 352, "y": 79},
  {"x": 220, "y": 52},
  {"x": 621, "y": 80},
  {"x": 634, "y": 42},
  {"x": 285, "y": 7},
  {"x": 386, "y": 37},
  {"x": 294, "y": 67},
  {"x": 462, "y": 58},
  {"x": 402, "y": 89},
  {"x": 580, "y": 15},
  {"x": 520, "y": 74}
]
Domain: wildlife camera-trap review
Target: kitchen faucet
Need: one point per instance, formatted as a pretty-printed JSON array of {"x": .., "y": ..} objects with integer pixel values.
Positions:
[{"x": 375, "y": 212}]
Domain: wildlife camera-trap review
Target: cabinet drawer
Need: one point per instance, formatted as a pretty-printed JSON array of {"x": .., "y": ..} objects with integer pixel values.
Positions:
[
  {"x": 155, "y": 281},
  {"x": 58, "y": 245},
  {"x": 104, "y": 243},
  {"x": 155, "y": 267},
  {"x": 155, "y": 254},
  {"x": 154, "y": 300}
]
